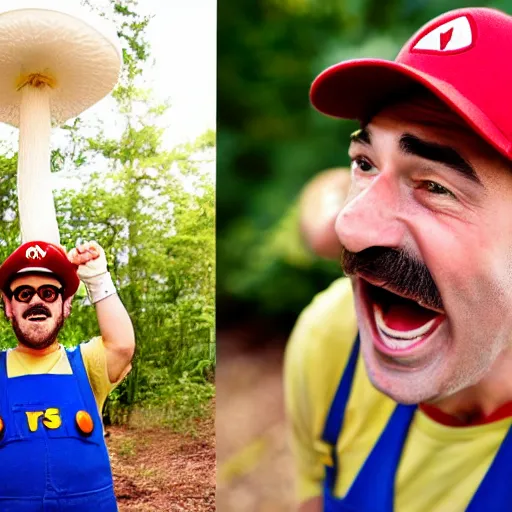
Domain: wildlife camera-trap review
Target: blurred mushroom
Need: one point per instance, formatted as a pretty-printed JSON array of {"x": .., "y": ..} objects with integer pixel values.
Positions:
[
  {"x": 56, "y": 60},
  {"x": 321, "y": 201}
]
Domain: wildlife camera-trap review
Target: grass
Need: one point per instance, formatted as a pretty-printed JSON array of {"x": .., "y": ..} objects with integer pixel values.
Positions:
[
  {"x": 127, "y": 448},
  {"x": 177, "y": 405}
]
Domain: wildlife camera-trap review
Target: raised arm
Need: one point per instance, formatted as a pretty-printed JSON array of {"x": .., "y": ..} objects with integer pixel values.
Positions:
[{"x": 114, "y": 322}]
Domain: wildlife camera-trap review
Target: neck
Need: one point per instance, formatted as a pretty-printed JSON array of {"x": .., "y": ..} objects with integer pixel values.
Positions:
[
  {"x": 485, "y": 397},
  {"x": 38, "y": 352}
]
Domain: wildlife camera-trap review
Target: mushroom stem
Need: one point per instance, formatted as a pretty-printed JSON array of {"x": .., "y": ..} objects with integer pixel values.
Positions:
[{"x": 35, "y": 198}]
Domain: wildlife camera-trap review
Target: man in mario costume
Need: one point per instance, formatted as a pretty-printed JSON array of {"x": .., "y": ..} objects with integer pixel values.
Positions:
[
  {"x": 52, "y": 450},
  {"x": 399, "y": 377}
]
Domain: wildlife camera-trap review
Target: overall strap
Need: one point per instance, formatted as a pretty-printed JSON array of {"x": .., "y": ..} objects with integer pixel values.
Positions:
[
  {"x": 336, "y": 415},
  {"x": 495, "y": 491},
  {"x": 375, "y": 482},
  {"x": 3, "y": 367},
  {"x": 77, "y": 365},
  {"x": 4, "y": 402}
]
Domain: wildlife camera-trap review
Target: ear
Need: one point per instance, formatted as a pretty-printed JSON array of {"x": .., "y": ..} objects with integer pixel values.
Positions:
[
  {"x": 7, "y": 305},
  {"x": 67, "y": 306}
]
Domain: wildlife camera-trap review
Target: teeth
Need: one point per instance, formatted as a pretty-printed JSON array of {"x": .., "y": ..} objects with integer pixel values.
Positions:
[{"x": 399, "y": 339}]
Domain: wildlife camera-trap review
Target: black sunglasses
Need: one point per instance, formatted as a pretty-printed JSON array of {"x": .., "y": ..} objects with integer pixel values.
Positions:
[{"x": 47, "y": 292}]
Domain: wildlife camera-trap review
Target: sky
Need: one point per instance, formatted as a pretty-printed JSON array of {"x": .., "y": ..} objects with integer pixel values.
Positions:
[{"x": 182, "y": 38}]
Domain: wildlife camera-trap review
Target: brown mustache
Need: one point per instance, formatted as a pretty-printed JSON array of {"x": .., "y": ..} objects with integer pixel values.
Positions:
[
  {"x": 395, "y": 269},
  {"x": 37, "y": 310}
]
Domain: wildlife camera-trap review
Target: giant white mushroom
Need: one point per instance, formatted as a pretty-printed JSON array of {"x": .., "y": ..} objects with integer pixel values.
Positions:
[{"x": 56, "y": 60}]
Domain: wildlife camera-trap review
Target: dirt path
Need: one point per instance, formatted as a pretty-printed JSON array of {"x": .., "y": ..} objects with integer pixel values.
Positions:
[
  {"x": 158, "y": 470},
  {"x": 255, "y": 472}
]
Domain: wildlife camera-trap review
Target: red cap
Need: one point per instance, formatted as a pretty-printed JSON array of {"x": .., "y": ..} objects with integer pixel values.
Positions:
[
  {"x": 462, "y": 56},
  {"x": 40, "y": 257}
]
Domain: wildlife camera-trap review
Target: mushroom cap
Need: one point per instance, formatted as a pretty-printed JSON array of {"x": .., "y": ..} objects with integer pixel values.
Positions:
[{"x": 79, "y": 51}]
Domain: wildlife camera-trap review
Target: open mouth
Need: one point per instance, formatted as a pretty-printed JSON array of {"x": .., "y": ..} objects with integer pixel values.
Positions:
[
  {"x": 37, "y": 313},
  {"x": 400, "y": 323},
  {"x": 37, "y": 318}
]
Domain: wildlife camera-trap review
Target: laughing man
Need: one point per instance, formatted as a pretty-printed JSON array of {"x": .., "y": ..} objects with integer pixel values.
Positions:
[{"x": 399, "y": 378}]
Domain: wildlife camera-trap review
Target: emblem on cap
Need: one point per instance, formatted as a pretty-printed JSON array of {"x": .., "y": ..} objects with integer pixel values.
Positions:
[
  {"x": 453, "y": 36},
  {"x": 35, "y": 253}
]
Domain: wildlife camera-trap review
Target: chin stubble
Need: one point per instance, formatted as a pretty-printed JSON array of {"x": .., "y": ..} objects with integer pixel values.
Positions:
[{"x": 37, "y": 344}]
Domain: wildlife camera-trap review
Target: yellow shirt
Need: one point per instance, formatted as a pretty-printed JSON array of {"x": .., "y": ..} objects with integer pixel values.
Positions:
[
  {"x": 441, "y": 467},
  {"x": 95, "y": 362}
]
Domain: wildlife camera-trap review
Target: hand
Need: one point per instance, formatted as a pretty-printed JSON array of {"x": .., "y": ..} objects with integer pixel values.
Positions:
[{"x": 90, "y": 259}]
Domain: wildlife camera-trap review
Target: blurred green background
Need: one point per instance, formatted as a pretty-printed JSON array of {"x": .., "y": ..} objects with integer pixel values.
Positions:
[{"x": 271, "y": 141}]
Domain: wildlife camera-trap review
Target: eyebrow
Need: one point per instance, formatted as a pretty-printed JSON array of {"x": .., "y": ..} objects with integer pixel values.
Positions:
[
  {"x": 412, "y": 145},
  {"x": 446, "y": 155},
  {"x": 361, "y": 136}
]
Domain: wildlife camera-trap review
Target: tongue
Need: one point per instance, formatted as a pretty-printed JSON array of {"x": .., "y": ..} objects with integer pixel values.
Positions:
[{"x": 406, "y": 315}]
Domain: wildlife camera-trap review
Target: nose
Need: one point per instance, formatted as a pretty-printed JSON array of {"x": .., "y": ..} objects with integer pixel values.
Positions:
[
  {"x": 372, "y": 218},
  {"x": 35, "y": 300}
]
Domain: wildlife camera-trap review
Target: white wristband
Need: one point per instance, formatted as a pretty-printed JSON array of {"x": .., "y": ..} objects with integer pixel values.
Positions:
[{"x": 99, "y": 287}]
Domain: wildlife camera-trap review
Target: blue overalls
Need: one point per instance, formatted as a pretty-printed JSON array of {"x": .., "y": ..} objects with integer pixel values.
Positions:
[
  {"x": 373, "y": 487},
  {"x": 46, "y": 463}
]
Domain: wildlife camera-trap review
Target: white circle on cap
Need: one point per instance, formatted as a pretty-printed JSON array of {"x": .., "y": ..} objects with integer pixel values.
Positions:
[{"x": 450, "y": 36}]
